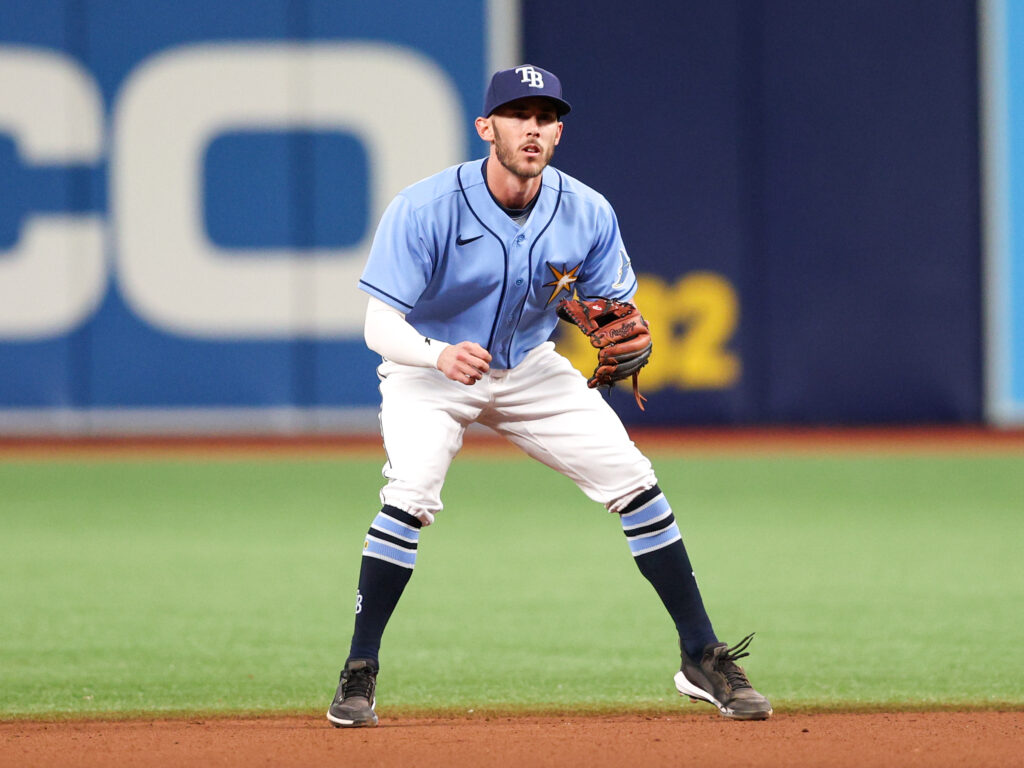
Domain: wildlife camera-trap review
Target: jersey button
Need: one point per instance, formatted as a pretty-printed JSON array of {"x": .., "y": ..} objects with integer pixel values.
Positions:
[
  {"x": 520, "y": 238},
  {"x": 519, "y": 281}
]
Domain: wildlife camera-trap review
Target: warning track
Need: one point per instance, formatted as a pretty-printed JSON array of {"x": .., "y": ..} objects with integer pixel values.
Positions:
[{"x": 814, "y": 440}]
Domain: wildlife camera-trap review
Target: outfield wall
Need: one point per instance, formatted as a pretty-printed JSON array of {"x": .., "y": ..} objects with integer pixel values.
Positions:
[{"x": 187, "y": 196}]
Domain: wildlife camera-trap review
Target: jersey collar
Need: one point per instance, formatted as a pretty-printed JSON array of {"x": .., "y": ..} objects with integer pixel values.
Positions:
[
  {"x": 512, "y": 213},
  {"x": 491, "y": 214}
]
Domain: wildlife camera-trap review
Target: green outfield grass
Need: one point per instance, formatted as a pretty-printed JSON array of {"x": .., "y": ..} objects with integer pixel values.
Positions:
[{"x": 207, "y": 586}]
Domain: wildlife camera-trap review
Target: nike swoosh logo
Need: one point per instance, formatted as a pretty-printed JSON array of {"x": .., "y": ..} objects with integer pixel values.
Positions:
[{"x": 460, "y": 241}]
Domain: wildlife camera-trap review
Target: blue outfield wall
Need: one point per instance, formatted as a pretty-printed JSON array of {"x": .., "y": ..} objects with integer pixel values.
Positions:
[
  {"x": 187, "y": 193},
  {"x": 822, "y": 159}
]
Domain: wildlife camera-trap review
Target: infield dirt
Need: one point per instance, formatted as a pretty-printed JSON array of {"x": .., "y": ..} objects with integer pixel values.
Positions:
[{"x": 933, "y": 739}]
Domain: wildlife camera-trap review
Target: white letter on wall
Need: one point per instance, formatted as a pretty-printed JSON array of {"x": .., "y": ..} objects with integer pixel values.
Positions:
[
  {"x": 399, "y": 104},
  {"x": 55, "y": 275}
]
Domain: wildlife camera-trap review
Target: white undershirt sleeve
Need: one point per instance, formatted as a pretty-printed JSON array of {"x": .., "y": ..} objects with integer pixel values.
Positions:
[{"x": 390, "y": 336}]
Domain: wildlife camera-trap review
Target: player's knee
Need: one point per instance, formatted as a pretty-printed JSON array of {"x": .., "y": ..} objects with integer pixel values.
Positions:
[
  {"x": 641, "y": 485},
  {"x": 420, "y": 505}
]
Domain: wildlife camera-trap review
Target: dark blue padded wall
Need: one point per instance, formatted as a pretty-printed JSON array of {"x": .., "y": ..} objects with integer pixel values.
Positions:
[{"x": 822, "y": 159}]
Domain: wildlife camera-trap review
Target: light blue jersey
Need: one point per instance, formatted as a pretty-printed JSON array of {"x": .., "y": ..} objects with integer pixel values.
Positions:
[{"x": 450, "y": 258}]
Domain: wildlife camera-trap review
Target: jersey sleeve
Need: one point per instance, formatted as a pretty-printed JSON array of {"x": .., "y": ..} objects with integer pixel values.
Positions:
[
  {"x": 607, "y": 270},
  {"x": 400, "y": 262}
]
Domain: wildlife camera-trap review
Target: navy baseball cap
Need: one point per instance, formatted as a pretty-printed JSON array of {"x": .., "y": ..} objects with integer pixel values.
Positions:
[{"x": 520, "y": 83}]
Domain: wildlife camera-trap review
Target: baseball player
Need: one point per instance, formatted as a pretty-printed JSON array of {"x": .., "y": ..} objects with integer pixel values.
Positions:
[{"x": 465, "y": 275}]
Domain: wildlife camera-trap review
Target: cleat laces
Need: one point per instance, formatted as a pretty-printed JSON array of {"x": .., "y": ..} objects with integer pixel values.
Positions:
[
  {"x": 358, "y": 683},
  {"x": 726, "y": 663}
]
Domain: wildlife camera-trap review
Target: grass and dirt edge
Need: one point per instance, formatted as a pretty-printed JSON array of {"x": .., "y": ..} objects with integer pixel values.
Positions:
[{"x": 603, "y": 710}]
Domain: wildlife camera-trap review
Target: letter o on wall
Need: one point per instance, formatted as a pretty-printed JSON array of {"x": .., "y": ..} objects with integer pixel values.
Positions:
[{"x": 398, "y": 103}]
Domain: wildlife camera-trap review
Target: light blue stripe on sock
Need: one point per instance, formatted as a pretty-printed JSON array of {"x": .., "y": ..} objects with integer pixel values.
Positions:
[
  {"x": 648, "y": 513},
  {"x": 640, "y": 545},
  {"x": 382, "y": 550},
  {"x": 388, "y": 524}
]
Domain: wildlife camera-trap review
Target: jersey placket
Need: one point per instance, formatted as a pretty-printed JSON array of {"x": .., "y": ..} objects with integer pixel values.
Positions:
[{"x": 517, "y": 287}]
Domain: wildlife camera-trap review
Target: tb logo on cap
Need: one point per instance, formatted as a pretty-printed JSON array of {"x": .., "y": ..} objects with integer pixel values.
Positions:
[{"x": 531, "y": 76}]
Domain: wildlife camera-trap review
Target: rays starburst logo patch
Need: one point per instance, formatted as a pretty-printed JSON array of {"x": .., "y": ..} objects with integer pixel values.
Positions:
[{"x": 563, "y": 280}]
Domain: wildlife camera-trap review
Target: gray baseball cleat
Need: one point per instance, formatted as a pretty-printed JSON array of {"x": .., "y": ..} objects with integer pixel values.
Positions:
[
  {"x": 356, "y": 697},
  {"x": 717, "y": 678}
]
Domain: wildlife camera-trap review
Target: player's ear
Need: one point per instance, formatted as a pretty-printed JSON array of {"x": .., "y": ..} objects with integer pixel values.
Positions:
[
  {"x": 558, "y": 133},
  {"x": 484, "y": 129}
]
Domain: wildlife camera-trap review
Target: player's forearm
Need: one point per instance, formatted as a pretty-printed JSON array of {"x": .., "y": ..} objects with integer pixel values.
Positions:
[{"x": 389, "y": 335}]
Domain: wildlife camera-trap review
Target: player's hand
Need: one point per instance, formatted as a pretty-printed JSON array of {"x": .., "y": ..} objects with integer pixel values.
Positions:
[{"x": 465, "y": 362}]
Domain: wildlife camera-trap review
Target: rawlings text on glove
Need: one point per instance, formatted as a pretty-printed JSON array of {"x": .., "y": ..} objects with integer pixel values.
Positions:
[{"x": 620, "y": 334}]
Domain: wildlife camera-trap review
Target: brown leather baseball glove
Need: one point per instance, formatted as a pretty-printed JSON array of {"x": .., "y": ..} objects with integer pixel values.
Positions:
[{"x": 620, "y": 334}]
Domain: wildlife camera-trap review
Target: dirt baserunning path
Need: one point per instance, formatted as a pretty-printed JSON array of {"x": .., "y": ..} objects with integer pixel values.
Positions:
[{"x": 926, "y": 739}]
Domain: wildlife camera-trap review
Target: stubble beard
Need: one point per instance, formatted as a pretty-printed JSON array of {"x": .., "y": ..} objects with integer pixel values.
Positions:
[{"x": 510, "y": 160}]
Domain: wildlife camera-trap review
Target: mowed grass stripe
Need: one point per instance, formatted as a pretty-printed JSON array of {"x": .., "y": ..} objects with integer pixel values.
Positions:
[{"x": 183, "y": 586}]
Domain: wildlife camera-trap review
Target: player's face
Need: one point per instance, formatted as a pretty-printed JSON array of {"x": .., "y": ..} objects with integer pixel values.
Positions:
[{"x": 525, "y": 134}]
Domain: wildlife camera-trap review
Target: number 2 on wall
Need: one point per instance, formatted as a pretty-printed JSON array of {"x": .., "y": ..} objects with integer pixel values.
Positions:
[{"x": 692, "y": 323}]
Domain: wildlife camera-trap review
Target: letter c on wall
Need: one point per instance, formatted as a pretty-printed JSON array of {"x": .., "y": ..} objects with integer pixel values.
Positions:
[{"x": 56, "y": 274}]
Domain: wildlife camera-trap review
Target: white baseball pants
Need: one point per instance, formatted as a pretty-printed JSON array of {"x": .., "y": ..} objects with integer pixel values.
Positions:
[{"x": 543, "y": 405}]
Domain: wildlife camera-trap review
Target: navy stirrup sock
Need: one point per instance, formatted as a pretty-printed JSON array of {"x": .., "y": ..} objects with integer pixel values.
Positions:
[
  {"x": 657, "y": 547},
  {"x": 389, "y": 555}
]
